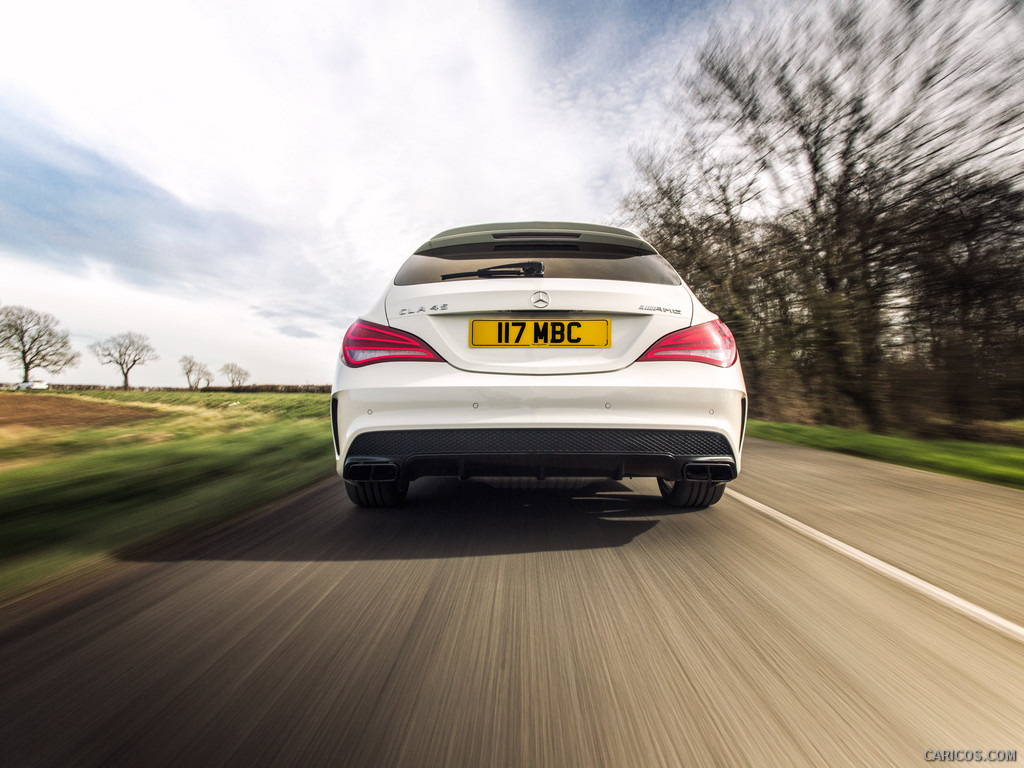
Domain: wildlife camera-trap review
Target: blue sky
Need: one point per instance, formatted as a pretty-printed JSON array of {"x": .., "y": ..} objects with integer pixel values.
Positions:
[{"x": 239, "y": 180}]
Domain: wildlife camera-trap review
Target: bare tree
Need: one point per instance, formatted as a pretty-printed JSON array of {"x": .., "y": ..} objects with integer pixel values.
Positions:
[
  {"x": 236, "y": 374},
  {"x": 860, "y": 115},
  {"x": 31, "y": 339},
  {"x": 196, "y": 374},
  {"x": 842, "y": 169},
  {"x": 125, "y": 350}
]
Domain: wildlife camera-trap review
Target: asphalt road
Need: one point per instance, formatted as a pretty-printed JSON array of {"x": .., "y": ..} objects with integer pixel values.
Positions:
[{"x": 484, "y": 626}]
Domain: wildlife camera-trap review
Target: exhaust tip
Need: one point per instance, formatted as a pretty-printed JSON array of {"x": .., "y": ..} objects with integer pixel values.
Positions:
[
  {"x": 710, "y": 471},
  {"x": 371, "y": 471}
]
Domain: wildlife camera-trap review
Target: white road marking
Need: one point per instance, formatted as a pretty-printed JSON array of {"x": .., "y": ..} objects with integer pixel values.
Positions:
[{"x": 958, "y": 604}]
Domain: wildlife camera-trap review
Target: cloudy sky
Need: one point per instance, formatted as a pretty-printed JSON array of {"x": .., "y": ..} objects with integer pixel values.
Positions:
[{"x": 240, "y": 180}]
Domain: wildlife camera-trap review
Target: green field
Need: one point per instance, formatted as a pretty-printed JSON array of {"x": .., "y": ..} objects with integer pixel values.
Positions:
[
  {"x": 284, "y": 405},
  {"x": 74, "y": 495},
  {"x": 1000, "y": 464}
]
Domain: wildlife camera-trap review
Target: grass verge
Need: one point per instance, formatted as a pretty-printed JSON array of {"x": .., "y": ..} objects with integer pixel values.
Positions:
[
  {"x": 79, "y": 496},
  {"x": 286, "y": 405},
  {"x": 999, "y": 464}
]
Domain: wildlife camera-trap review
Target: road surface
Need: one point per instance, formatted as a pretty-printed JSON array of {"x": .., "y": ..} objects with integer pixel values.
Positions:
[{"x": 495, "y": 626}]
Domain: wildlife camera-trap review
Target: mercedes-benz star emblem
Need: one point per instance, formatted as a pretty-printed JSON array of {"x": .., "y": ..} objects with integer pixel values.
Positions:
[{"x": 540, "y": 299}]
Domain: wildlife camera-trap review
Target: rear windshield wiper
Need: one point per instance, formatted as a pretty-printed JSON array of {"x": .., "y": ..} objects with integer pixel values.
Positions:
[{"x": 517, "y": 269}]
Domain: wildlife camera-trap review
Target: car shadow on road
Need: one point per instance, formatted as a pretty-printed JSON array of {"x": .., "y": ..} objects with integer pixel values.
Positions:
[{"x": 441, "y": 518}]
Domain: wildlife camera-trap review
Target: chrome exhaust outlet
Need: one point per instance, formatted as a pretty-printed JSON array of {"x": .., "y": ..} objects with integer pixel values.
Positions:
[
  {"x": 710, "y": 471},
  {"x": 371, "y": 471}
]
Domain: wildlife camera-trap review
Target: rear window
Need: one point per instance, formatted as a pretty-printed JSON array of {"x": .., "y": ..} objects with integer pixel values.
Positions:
[{"x": 590, "y": 261}]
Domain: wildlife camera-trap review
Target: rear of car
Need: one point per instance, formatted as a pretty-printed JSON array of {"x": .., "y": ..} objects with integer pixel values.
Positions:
[{"x": 538, "y": 350}]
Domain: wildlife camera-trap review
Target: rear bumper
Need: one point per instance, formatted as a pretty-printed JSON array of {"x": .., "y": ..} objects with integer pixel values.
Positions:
[
  {"x": 540, "y": 453},
  {"x": 646, "y": 420}
]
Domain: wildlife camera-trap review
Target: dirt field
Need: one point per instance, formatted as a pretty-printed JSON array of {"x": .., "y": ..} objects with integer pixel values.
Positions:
[{"x": 33, "y": 409}]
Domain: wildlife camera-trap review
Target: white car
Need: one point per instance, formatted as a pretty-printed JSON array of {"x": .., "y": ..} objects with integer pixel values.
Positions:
[
  {"x": 538, "y": 350},
  {"x": 33, "y": 385}
]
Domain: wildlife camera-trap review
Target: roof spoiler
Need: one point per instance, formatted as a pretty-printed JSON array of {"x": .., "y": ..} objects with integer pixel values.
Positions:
[{"x": 537, "y": 232}]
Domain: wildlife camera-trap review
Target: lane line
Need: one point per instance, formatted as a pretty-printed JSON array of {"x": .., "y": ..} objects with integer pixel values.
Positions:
[{"x": 958, "y": 604}]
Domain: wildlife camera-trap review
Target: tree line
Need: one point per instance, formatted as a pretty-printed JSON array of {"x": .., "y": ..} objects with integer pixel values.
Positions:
[
  {"x": 33, "y": 340},
  {"x": 843, "y": 184}
]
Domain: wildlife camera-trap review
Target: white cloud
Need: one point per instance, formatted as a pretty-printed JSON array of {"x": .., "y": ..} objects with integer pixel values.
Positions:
[
  {"x": 263, "y": 108},
  {"x": 349, "y": 132}
]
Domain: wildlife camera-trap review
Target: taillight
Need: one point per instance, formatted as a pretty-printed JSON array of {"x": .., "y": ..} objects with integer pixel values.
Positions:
[
  {"x": 710, "y": 342},
  {"x": 366, "y": 343}
]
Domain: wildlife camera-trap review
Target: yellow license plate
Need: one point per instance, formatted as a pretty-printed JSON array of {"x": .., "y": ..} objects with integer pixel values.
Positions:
[{"x": 540, "y": 333}]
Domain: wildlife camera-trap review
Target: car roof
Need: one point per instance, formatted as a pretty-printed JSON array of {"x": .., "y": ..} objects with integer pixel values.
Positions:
[{"x": 535, "y": 232}]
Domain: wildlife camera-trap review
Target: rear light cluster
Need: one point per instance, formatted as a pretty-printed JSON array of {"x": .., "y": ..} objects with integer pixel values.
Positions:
[
  {"x": 710, "y": 342},
  {"x": 367, "y": 343}
]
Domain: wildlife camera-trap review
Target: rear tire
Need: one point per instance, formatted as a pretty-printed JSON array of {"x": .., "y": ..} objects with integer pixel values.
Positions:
[
  {"x": 690, "y": 494},
  {"x": 378, "y": 494}
]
